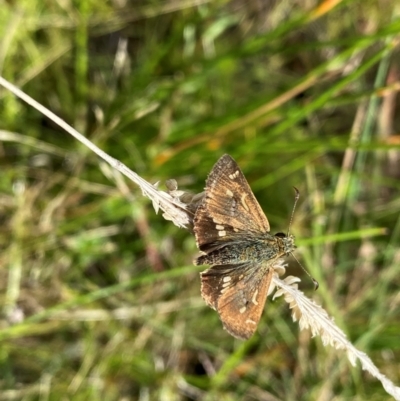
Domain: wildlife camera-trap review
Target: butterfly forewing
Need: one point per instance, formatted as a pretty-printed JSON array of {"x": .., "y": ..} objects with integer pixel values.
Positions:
[{"x": 229, "y": 207}]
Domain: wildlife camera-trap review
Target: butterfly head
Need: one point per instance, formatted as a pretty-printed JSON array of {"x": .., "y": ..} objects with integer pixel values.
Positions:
[{"x": 287, "y": 242}]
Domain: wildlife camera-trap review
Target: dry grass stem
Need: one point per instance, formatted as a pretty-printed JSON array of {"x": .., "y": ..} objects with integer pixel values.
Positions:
[{"x": 314, "y": 317}]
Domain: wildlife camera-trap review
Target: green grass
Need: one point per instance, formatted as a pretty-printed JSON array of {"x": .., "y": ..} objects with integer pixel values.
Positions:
[{"x": 99, "y": 296}]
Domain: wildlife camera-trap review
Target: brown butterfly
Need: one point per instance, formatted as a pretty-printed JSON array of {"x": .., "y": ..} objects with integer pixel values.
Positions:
[{"x": 233, "y": 233}]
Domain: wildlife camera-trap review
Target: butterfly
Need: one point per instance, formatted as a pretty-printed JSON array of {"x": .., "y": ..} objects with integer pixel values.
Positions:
[{"x": 233, "y": 234}]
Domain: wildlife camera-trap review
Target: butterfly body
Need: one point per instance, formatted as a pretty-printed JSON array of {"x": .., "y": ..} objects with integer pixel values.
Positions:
[
  {"x": 245, "y": 250},
  {"x": 234, "y": 235}
]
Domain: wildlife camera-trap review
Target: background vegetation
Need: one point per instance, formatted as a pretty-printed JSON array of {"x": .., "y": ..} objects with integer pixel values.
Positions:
[{"x": 99, "y": 297}]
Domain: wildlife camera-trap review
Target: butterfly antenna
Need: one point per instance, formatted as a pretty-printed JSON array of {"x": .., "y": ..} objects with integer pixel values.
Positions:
[
  {"x": 297, "y": 196},
  {"x": 316, "y": 284}
]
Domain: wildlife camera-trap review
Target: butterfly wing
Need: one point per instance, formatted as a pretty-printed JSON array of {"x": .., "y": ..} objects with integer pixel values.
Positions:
[
  {"x": 238, "y": 293},
  {"x": 229, "y": 208}
]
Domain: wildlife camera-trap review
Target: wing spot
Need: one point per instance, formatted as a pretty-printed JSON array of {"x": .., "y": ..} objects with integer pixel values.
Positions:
[
  {"x": 232, "y": 209},
  {"x": 234, "y": 175},
  {"x": 226, "y": 281},
  {"x": 236, "y": 230},
  {"x": 254, "y": 299},
  {"x": 219, "y": 227},
  {"x": 241, "y": 276},
  {"x": 242, "y": 309},
  {"x": 222, "y": 233},
  {"x": 243, "y": 200},
  {"x": 249, "y": 321},
  {"x": 229, "y": 193}
]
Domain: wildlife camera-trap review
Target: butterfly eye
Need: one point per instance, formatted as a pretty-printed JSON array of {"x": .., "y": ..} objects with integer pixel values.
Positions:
[{"x": 280, "y": 235}]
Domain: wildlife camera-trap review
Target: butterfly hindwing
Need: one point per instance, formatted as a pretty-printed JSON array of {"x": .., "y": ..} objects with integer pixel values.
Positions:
[
  {"x": 238, "y": 293},
  {"x": 218, "y": 278}
]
